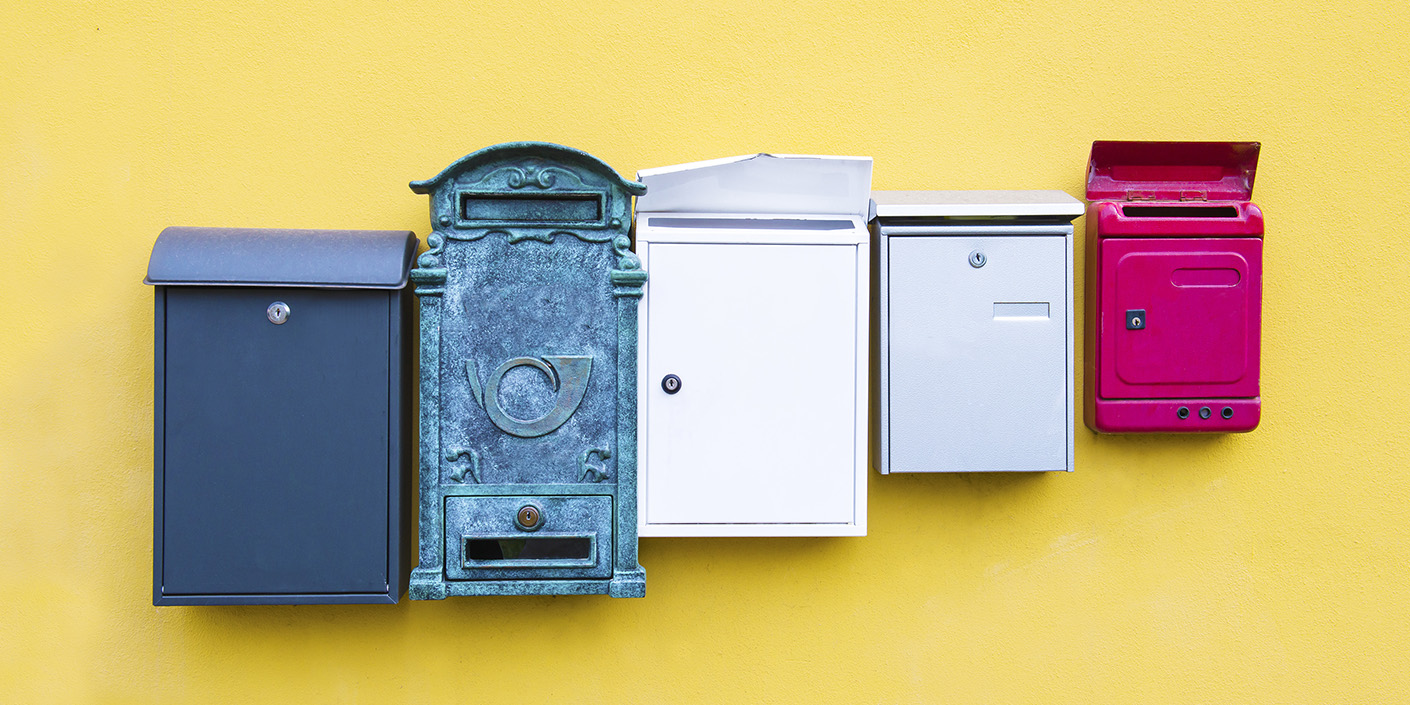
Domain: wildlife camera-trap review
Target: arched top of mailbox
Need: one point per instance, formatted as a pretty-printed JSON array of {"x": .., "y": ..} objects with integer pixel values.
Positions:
[{"x": 509, "y": 152}]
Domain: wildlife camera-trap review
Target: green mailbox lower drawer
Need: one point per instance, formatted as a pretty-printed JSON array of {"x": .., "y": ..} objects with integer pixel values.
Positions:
[{"x": 498, "y": 538}]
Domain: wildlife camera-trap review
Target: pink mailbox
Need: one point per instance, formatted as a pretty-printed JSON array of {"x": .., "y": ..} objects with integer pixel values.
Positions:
[{"x": 1174, "y": 287}]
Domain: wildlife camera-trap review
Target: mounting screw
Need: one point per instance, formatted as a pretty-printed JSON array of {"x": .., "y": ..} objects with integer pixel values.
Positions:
[
  {"x": 1204, "y": 412},
  {"x": 671, "y": 384},
  {"x": 1183, "y": 412},
  {"x": 977, "y": 259},
  {"x": 278, "y": 313},
  {"x": 445, "y": 220}
]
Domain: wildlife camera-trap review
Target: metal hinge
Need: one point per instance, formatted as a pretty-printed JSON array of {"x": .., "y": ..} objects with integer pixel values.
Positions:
[
  {"x": 1140, "y": 196},
  {"x": 1193, "y": 196}
]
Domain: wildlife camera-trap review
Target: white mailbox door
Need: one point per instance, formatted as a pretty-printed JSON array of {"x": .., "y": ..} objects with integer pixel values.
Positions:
[
  {"x": 978, "y": 356},
  {"x": 764, "y": 340}
]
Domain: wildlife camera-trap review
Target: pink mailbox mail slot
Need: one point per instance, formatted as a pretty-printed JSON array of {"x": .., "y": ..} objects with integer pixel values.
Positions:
[{"x": 1174, "y": 287}]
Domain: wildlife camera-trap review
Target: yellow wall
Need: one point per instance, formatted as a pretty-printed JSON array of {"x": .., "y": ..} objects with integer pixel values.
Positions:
[{"x": 1268, "y": 567}]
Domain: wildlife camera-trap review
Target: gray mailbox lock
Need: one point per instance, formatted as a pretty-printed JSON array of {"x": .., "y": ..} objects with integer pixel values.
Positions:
[
  {"x": 278, "y": 313},
  {"x": 977, "y": 259}
]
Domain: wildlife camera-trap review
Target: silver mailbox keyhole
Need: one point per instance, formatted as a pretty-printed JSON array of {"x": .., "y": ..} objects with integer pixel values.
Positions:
[
  {"x": 671, "y": 384},
  {"x": 977, "y": 259},
  {"x": 278, "y": 312}
]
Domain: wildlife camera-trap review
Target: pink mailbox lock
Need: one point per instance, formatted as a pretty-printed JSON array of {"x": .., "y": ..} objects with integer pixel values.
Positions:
[{"x": 1174, "y": 287}]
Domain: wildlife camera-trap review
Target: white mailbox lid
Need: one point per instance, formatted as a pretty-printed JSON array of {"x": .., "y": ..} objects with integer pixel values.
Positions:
[
  {"x": 782, "y": 184},
  {"x": 975, "y": 204}
]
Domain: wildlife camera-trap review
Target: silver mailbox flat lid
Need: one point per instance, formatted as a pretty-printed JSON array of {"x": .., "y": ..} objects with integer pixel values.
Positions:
[
  {"x": 361, "y": 259},
  {"x": 976, "y": 204}
]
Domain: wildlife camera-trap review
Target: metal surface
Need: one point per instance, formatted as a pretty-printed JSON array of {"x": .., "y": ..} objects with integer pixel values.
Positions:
[
  {"x": 977, "y": 363},
  {"x": 287, "y": 488},
  {"x": 529, "y": 277}
]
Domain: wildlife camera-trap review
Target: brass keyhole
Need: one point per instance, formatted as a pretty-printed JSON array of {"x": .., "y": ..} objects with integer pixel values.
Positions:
[{"x": 528, "y": 517}]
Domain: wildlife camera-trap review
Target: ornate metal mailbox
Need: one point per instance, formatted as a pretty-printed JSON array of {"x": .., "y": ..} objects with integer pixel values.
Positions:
[{"x": 529, "y": 297}]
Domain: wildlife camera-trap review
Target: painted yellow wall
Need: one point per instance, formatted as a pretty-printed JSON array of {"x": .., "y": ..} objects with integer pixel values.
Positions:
[{"x": 1268, "y": 567}]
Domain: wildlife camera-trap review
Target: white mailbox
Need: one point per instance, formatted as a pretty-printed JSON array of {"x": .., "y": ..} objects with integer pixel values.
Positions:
[
  {"x": 753, "y": 359},
  {"x": 975, "y": 330}
]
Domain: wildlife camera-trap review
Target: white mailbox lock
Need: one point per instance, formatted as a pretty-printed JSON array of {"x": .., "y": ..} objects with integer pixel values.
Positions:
[
  {"x": 754, "y": 347},
  {"x": 976, "y": 341}
]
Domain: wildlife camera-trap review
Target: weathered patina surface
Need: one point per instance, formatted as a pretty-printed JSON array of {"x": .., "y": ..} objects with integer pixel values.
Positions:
[{"x": 529, "y": 297}]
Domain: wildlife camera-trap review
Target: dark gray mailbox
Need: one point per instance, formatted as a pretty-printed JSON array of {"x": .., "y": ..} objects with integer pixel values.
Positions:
[
  {"x": 283, "y": 412},
  {"x": 528, "y": 377}
]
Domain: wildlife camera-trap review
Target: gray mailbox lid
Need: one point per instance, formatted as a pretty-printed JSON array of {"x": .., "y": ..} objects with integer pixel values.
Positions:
[
  {"x": 359, "y": 259},
  {"x": 281, "y": 450}
]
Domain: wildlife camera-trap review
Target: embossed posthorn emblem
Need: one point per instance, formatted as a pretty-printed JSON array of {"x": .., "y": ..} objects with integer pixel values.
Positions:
[{"x": 568, "y": 375}]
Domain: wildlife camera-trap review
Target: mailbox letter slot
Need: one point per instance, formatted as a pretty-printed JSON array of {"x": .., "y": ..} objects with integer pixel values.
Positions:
[
  {"x": 529, "y": 550},
  {"x": 530, "y": 208}
]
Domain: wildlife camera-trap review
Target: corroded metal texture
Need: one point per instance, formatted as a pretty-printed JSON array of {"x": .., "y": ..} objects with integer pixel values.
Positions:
[{"x": 529, "y": 297}]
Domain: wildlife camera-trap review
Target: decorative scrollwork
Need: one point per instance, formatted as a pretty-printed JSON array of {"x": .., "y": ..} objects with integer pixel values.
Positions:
[
  {"x": 596, "y": 473},
  {"x": 436, "y": 242},
  {"x": 534, "y": 235},
  {"x": 626, "y": 258},
  {"x": 517, "y": 177},
  {"x": 473, "y": 469}
]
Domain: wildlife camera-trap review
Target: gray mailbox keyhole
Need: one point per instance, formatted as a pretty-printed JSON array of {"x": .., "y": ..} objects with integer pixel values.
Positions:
[
  {"x": 977, "y": 259},
  {"x": 671, "y": 384},
  {"x": 278, "y": 313}
]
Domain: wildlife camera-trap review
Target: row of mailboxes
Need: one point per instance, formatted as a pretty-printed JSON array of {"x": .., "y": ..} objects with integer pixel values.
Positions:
[{"x": 570, "y": 403}]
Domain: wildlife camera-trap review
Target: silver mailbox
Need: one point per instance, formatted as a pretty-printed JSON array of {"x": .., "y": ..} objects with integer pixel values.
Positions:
[{"x": 975, "y": 330}]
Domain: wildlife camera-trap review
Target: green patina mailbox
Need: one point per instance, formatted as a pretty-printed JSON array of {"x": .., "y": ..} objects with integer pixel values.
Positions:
[{"x": 529, "y": 297}]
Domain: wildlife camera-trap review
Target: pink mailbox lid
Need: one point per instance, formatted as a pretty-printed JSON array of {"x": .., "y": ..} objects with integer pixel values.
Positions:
[{"x": 1171, "y": 171}]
